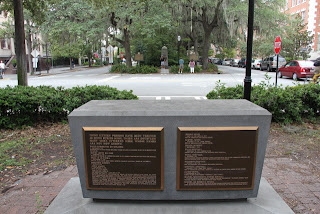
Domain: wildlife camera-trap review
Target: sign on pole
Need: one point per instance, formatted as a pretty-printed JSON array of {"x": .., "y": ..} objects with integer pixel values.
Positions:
[
  {"x": 277, "y": 45},
  {"x": 277, "y": 48},
  {"x": 35, "y": 53}
]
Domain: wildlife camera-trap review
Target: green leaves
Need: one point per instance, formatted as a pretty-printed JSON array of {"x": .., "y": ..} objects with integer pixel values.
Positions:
[
  {"x": 287, "y": 105},
  {"x": 73, "y": 28},
  {"x": 20, "y": 106}
]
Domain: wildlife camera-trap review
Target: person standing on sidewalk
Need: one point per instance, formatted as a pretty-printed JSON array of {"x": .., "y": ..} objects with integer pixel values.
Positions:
[
  {"x": 181, "y": 62},
  {"x": 2, "y": 67},
  {"x": 191, "y": 65},
  {"x": 162, "y": 60}
]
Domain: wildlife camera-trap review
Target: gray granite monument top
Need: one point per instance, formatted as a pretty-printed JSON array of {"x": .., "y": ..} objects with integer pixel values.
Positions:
[{"x": 168, "y": 108}]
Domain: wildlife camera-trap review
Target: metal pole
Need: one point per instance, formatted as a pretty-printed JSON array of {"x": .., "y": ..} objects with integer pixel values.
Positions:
[
  {"x": 277, "y": 69},
  {"x": 178, "y": 51},
  {"x": 248, "y": 80},
  {"x": 47, "y": 64}
]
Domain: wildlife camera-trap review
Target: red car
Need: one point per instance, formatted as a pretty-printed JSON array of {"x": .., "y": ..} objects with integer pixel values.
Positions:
[{"x": 297, "y": 69}]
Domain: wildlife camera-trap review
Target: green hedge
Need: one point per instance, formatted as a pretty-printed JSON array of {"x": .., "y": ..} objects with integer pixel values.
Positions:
[
  {"x": 20, "y": 106},
  {"x": 289, "y": 104},
  {"x": 143, "y": 69}
]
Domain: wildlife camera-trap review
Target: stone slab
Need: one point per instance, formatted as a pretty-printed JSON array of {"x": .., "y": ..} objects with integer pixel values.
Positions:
[
  {"x": 70, "y": 201},
  {"x": 170, "y": 115}
]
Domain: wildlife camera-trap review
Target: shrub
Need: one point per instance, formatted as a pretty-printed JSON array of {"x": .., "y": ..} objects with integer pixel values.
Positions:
[
  {"x": 174, "y": 69},
  {"x": 144, "y": 69},
  {"x": 14, "y": 63},
  {"x": 20, "y": 105},
  {"x": 222, "y": 92},
  {"x": 289, "y": 104},
  {"x": 212, "y": 68},
  {"x": 119, "y": 68}
]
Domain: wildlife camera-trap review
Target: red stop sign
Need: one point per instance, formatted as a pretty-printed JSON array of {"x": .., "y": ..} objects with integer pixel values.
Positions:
[{"x": 277, "y": 45}]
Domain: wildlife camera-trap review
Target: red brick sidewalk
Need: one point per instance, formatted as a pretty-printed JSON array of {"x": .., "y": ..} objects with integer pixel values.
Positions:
[
  {"x": 35, "y": 193},
  {"x": 298, "y": 184},
  {"x": 292, "y": 180}
]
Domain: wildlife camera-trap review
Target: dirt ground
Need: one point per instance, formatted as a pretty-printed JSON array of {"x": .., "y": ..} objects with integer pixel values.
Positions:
[
  {"x": 46, "y": 148},
  {"x": 300, "y": 142}
]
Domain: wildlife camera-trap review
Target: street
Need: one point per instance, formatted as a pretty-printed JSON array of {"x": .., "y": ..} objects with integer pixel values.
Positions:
[{"x": 149, "y": 86}]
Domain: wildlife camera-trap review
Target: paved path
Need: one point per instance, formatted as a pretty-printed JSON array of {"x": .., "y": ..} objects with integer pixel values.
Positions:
[{"x": 292, "y": 180}]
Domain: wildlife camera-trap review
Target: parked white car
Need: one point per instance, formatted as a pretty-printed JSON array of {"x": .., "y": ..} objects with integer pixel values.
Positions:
[
  {"x": 256, "y": 64},
  {"x": 226, "y": 62}
]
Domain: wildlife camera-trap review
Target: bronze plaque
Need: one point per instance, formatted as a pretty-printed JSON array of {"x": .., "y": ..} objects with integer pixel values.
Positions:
[
  {"x": 195, "y": 57},
  {"x": 124, "y": 158},
  {"x": 138, "y": 57},
  {"x": 216, "y": 158}
]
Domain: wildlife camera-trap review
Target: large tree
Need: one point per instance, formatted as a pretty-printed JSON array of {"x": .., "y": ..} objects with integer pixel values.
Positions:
[
  {"x": 73, "y": 29},
  {"x": 296, "y": 42}
]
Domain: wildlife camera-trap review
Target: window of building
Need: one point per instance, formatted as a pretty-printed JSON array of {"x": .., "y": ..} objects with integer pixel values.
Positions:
[
  {"x": 4, "y": 44},
  {"x": 303, "y": 15},
  {"x": 304, "y": 0},
  {"x": 287, "y": 4},
  {"x": 298, "y": 2},
  {"x": 293, "y": 3}
]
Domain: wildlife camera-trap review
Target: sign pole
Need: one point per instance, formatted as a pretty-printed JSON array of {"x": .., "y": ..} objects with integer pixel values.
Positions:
[{"x": 277, "y": 69}]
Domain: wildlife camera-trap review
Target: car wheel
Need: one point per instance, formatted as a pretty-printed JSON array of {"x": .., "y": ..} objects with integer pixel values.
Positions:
[
  {"x": 279, "y": 74},
  {"x": 294, "y": 76}
]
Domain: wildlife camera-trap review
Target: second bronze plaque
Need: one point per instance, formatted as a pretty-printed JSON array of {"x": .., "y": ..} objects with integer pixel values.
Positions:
[{"x": 216, "y": 158}]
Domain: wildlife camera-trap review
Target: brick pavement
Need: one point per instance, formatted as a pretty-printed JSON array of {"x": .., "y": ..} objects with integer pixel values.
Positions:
[
  {"x": 292, "y": 180},
  {"x": 35, "y": 192},
  {"x": 295, "y": 183}
]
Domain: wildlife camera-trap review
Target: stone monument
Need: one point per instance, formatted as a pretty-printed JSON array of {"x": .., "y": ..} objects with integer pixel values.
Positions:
[
  {"x": 164, "y": 53},
  {"x": 177, "y": 150}
]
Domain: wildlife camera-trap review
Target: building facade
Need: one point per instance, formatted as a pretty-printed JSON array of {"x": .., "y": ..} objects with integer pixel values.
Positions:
[
  {"x": 309, "y": 10},
  {"x": 7, "y": 49}
]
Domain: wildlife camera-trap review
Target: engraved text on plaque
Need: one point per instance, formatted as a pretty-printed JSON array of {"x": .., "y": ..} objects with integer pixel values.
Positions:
[
  {"x": 128, "y": 158},
  {"x": 216, "y": 158}
]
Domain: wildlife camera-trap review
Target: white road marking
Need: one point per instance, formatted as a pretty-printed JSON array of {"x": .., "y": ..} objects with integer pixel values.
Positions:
[
  {"x": 108, "y": 79},
  {"x": 170, "y": 97}
]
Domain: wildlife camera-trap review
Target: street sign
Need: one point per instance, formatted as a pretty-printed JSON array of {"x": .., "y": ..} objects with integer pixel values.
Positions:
[
  {"x": 35, "y": 53},
  {"x": 277, "y": 45}
]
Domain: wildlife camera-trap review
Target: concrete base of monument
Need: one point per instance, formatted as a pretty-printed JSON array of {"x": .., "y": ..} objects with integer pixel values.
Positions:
[{"x": 70, "y": 200}]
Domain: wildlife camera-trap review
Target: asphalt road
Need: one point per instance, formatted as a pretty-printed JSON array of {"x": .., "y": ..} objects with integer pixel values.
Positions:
[{"x": 153, "y": 86}]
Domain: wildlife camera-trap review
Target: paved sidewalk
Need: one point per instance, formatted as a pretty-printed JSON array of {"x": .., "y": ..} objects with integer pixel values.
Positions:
[
  {"x": 292, "y": 180},
  {"x": 35, "y": 193},
  {"x": 61, "y": 70},
  {"x": 298, "y": 184}
]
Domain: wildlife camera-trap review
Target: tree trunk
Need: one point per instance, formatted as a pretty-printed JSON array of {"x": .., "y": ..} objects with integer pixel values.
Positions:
[
  {"x": 196, "y": 45},
  {"x": 29, "y": 45},
  {"x": 206, "y": 45},
  {"x": 127, "y": 48},
  {"x": 20, "y": 43}
]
